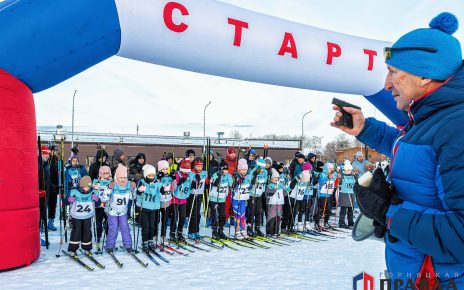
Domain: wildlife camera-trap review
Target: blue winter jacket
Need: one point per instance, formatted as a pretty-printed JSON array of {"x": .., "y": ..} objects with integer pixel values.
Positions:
[{"x": 428, "y": 175}]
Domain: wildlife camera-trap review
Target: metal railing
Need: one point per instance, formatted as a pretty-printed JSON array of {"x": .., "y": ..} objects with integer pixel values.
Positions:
[{"x": 87, "y": 137}]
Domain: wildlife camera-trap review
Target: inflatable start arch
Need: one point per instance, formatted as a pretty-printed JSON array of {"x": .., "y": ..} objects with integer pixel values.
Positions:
[{"x": 45, "y": 42}]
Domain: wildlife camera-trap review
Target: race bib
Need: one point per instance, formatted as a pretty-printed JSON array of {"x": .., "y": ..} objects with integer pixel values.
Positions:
[{"x": 83, "y": 209}]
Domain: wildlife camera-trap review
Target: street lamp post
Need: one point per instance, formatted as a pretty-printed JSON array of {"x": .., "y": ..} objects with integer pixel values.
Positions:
[
  {"x": 302, "y": 127},
  {"x": 204, "y": 126},
  {"x": 72, "y": 127}
]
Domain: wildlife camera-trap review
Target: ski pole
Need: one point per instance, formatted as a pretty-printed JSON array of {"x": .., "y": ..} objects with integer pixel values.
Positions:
[{"x": 191, "y": 208}]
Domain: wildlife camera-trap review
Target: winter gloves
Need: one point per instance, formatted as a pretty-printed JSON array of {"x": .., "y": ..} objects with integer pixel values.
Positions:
[{"x": 375, "y": 200}]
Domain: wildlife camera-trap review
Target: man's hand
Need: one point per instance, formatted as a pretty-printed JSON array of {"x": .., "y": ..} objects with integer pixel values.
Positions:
[{"x": 358, "y": 120}]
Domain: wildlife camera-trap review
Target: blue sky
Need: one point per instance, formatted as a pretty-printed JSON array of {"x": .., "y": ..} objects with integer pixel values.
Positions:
[{"x": 119, "y": 93}]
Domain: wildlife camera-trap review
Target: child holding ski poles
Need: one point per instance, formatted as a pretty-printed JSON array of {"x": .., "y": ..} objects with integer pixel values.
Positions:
[
  {"x": 82, "y": 209},
  {"x": 275, "y": 199},
  {"x": 199, "y": 184},
  {"x": 116, "y": 209},
  {"x": 184, "y": 180},
  {"x": 298, "y": 189},
  {"x": 148, "y": 200},
  {"x": 346, "y": 196},
  {"x": 307, "y": 201},
  {"x": 327, "y": 179},
  {"x": 240, "y": 197},
  {"x": 166, "y": 180},
  {"x": 101, "y": 186},
  {"x": 254, "y": 207},
  {"x": 221, "y": 182}
]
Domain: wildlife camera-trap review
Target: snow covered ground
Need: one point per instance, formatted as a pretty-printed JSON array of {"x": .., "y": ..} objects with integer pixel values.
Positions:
[{"x": 302, "y": 265}]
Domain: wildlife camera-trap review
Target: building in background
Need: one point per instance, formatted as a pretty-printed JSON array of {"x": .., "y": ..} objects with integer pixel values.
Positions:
[
  {"x": 370, "y": 154},
  {"x": 155, "y": 146}
]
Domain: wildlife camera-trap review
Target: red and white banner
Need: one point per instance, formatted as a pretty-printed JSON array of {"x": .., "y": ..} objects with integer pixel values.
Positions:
[{"x": 216, "y": 38}]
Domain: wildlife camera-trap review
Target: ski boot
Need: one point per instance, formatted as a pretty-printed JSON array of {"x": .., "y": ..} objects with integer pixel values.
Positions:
[
  {"x": 239, "y": 236},
  {"x": 249, "y": 231},
  {"x": 72, "y": 253},
  {"x": 192, "y": 236},
  {"x": 258, "y": 232},
  {"x": 317, "y": 227},
  {"x": 328, "y": 226},
  {"x": 299, "y": 227},
  {"x": 244, "y": 234},
  {"x": 222, "y": 235},
  {"x": 129, "y": 250},
  {"x": 307, "y": 226},
  {"x": 145, "y": 247},
  {"x": 110, "y": 250},
  {"x": 180, "y": 237},
  {"x": 51, "y": 226},
  {"x": 343, "y": 226},
  {"x": 215, "y": 235},
  {"x": 151, "y": 246},
  {"x": 172, "y": 238}
]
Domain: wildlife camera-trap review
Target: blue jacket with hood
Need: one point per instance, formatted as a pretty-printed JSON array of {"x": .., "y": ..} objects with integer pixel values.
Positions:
[{"x": 427, "y": 173}]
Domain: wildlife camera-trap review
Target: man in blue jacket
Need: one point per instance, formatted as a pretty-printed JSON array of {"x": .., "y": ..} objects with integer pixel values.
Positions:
[{"x": 423, "y": 212}]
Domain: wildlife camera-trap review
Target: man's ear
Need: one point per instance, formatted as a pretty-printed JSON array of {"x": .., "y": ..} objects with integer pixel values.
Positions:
[{"x": 425, "y": 81}]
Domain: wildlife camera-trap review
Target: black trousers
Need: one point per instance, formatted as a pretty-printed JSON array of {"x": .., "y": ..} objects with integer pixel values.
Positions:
[
  {"x": 343, "y": 212},
  {"x": 287, "y": 214},
  {"x": 177, "y": 217},
  {"x": 310, "y": 208},
  {"x": 300, "y": 209},
  {"x": 194, "y": 225},
  {"x": 323, "y": 209},
  {"x": 254, "y": 211},
  {"x": 101, "y": 220},
  {"x": 217, "y": 211},
  {"x": 81, "y": 233},
  {"x": 52, "y": 198},
  {"x": 162, "y": 216},
  {"x": 147, "y": 222}
]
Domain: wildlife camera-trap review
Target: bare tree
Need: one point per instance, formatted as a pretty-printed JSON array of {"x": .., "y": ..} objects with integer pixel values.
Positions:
[{"x": 235, "y": 134}]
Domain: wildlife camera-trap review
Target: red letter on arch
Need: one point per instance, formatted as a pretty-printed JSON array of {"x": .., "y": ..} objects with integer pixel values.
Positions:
[
  {"x": 239, "y": 25},
  {"x": 333, "y": 50},
  {"x": 371, "y": 54},
  {"x": 167, "y": 15},
  {"x": 288, "y": 45}
]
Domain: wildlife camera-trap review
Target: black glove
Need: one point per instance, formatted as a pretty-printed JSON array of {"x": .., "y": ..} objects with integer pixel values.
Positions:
[
  {"x": 379, "y": 230},
  {"x": 375, "y": 200},
  {"x": 160, "y": 175},
  {"x": 197, "y": 177},
  {"x": 173, "y": 175}
]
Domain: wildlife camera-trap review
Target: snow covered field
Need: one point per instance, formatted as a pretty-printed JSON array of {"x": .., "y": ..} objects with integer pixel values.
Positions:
[{"x": 302, "y": 265}]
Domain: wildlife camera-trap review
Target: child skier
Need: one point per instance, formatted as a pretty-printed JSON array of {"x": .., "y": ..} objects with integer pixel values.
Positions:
[
  {"x": 73, "y": 174},
  {"x": 298, "y": 189},
  {"x": 82, "y": 209},
  {"x": 165, "y": 198},
  {"x": 325, "y": 190},
  {"x": 240, "y": 197},
  {"x": 346, "y": 196},
  {"x": 221, "y": 182},
  {"x": 275, "y": 199},
  {"x": 117, "y": 210},
  {"x": 184, "y": 180},
  {"x": 148, "y": 200},
  {"x": 254, "y": 208},
  {"x": 199, "y": 184},
  {"x": 101, "y": 185}
]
